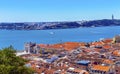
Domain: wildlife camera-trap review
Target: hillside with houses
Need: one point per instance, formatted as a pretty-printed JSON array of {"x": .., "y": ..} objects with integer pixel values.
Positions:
[{"x": 58, "y": 25}]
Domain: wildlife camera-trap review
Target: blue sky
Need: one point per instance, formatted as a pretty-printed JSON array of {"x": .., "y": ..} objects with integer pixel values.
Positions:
[{"x": 57, "y": 10}]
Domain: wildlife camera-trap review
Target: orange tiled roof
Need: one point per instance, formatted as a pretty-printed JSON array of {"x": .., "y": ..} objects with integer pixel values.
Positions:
[
  {"x": 50, "y": 71},
  {"x": 97, "y": 49},
  {"x": 106, "y": 46},
  {"x": 42, "y": 45},
  {"x": 101, "y": 68},
  {"x": 97, "y": 43},
  {"x": 66, "y": 45},
  {"x": 80, "y": 71},
  {"x": 106, "y": 41},
  {"x": 71, "y": 45},
  {"x": 87, "y": 50},
  {"x": 116, "y": 52},
  {"x": 108, "y": 61},
  {"x": 57, "y": 46}
]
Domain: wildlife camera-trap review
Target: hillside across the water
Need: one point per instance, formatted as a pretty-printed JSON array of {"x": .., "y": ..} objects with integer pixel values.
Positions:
[{"x": 58, "y": 25}]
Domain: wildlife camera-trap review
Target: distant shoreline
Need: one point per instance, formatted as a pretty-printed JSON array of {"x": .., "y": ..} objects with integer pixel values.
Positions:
[
  {"x": 59, "y": 25},
  {"x": 53, "y": 29}
]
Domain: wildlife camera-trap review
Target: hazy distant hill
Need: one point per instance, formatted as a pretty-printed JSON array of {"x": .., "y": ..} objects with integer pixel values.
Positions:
[
  {"x": 104, "y": 22},
  {"x": 58, "y": 25}
]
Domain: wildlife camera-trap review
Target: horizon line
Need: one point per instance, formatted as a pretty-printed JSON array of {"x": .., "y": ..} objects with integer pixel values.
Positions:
[{"x": 54, "y": 21}]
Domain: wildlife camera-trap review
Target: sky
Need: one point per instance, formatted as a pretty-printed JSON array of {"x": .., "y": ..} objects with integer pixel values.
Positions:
[{"x": 57, "y": 10}]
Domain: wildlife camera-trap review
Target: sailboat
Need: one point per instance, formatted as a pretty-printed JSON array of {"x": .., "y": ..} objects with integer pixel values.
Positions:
[{"x": 51, "y": 32}]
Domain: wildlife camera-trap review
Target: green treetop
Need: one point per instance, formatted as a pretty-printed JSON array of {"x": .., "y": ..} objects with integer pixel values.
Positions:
[{"x": 12, "y": 64}]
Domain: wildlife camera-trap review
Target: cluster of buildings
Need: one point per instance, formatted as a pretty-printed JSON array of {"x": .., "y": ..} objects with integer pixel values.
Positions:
[{"x": 100, "y": 57}]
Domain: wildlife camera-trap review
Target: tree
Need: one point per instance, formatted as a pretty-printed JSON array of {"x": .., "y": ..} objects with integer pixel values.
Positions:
[{"x": 12, "y": 64}]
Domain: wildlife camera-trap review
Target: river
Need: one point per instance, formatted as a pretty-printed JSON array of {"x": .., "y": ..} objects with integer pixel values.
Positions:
[{"x": 17, "y": 38}]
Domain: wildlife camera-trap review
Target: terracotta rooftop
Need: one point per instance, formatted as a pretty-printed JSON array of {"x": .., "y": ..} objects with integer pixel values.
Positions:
[
  {"x": 101, "y": 68},
  {"x": 78, "y": 70},
  {"x": 81, "y": 71},
  {"x": 106, "y": 41},
  {"x": 116, "y": 52},
  {"x": 107, "y": 61},
  {"x": 66, "y": 45},
  {"x": 106, "y": 47},
  {"x": 97, "y": 43}
]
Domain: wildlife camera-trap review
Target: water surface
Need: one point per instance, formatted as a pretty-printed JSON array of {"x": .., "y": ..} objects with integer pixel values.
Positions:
[{"x": 17, "y": 38}]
